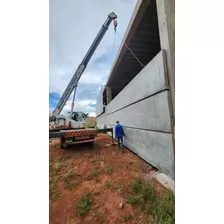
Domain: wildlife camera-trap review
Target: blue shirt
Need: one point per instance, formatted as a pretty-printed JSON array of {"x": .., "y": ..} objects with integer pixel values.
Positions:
[{"x": 119, "y": 131}]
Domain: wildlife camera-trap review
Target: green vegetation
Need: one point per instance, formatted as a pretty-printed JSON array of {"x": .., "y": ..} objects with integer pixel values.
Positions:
[
  {"x": 83, "y": 206},
  {"x": 128, "y": 217},
  {"x": 93, "y": 174},
  {"x": 54, "y": 194},
  {"x": 97, "y": 158},
  {"x": 162, "y": 207},
  {"x": 113, "y": 186},
  {"x": 108, "y": 169},
  {"x": 68, "y": 182},
  {"x": 56, "y": 166},
  {"x": 107, "y": 184}
]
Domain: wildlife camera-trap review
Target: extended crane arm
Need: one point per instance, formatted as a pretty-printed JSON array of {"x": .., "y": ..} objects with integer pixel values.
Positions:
[{"x": 74, "y": 81}]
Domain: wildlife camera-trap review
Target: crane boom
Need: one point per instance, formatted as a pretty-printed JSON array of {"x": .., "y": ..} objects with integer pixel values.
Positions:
[{"x": 74, "y": 81}]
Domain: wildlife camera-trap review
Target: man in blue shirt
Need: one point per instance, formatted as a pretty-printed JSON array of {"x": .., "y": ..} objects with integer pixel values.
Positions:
[{"x": 119, "y": 134}]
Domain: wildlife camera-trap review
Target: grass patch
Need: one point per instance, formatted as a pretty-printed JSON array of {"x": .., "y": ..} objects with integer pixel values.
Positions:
[
  {"x": 107, "y": 184},
  {"x": 56, "y": 166},
  {"x": 97, "y": 158},
  {"x": 162, "y": 207},
  {"x": 68, "y": 183},
  {"x": 113, "y": 186},
  {"x": 164, "y": 211},
  {"x": 84, "y": 204},
  {"x": 93, "y": 174},
  {"x": 54, "y": 194},
  {"x": 128, "y": 218},
  {"x": 108, "y": 169}
]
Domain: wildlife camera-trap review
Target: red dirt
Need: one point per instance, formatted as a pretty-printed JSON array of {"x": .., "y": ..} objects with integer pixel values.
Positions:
[{"x": 105, "y": 203}]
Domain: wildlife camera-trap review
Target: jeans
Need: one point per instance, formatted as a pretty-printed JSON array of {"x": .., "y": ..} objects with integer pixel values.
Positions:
[{"x": 120, "y": 142}]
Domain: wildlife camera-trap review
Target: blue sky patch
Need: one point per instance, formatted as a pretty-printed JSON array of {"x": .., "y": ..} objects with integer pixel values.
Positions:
[
  {"x": 92, "y": 105},
  {"x": 53, "y": 99}
]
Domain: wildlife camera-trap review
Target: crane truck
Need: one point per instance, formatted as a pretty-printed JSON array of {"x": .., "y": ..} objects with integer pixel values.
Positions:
[{"x": 78, "y": 135}]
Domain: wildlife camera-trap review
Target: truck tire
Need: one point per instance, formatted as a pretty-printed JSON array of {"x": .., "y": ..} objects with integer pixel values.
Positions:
[{"x": 63, "y": 144}]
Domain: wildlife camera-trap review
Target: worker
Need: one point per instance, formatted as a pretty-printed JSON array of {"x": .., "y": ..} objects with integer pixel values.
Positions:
[{"x": 119, "y": 134}]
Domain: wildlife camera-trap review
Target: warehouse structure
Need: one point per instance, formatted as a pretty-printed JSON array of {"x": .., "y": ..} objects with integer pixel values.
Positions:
[{"x": 140, "y": 92}]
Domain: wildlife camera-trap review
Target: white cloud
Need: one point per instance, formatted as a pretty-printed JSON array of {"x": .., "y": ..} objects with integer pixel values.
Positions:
[
  {"x": 73, "y": 27},
  {"x": 80, "y": 105},
  {"x": 93, "y": 114}
]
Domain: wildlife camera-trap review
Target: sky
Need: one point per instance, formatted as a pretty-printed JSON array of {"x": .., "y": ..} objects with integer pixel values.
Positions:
[{"x": 74, "y": 25}]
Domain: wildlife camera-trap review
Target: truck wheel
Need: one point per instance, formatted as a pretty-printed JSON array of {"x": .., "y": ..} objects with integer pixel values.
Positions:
[
  {"x": 63, "y": 144},
  {"x": 91, "y": 143}
]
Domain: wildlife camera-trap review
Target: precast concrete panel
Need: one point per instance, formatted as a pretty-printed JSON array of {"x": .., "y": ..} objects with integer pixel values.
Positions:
[
  {"x": 149, "y": 81},
  {"x": 154, "y": 147},
  {"x": 151, "y": 113}
]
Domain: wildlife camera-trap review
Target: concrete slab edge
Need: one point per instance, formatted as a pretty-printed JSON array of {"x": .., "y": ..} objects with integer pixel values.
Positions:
[{"x": 165, "y": 181}]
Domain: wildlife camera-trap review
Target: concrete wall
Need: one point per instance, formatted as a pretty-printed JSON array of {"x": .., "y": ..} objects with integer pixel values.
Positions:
[
  {"x": 142, "y": 107},
  {"x": 166, "y": 22},
  {"x": 151, "y": 113}
]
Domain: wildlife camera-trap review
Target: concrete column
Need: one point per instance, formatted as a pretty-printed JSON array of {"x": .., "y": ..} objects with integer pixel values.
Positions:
[
  {"x": 109, "y": 94},
  {"x": 166, "y": 22}
]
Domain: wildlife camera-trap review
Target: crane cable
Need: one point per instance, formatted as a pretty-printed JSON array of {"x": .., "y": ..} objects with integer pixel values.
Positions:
[
  {"x": 113, "y": 48},
  {"x": 115, "y": 32},
  {"x": 131, "y": 51}
]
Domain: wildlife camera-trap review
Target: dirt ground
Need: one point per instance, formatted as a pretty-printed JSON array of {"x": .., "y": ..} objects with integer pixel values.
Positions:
[{"x": 105, "y": 172}]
